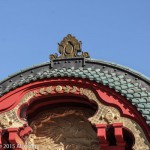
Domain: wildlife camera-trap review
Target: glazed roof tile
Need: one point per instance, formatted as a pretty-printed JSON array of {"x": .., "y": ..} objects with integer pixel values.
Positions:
[{"x": 133, "y": 86}]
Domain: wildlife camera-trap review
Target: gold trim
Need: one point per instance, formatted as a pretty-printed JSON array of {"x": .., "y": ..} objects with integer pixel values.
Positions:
[
  {"x": 69, "y": 47},
  {"x": 104, "y": 115}
]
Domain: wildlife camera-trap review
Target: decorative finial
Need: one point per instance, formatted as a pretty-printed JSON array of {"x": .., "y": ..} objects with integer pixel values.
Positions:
[{"x": 69, "y": 48}]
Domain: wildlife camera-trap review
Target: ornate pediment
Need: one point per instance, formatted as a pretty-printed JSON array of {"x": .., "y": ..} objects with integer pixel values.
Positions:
[{"x": 69, "y": 47}]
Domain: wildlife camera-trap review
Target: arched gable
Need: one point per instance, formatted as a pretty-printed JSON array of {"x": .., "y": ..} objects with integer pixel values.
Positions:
[
  {"x": 119, "y": 89},
  {"x": 134, "y": 87}
]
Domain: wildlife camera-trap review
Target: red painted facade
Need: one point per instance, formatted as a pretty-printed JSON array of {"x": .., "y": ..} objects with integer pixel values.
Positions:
[{"x": 107, "y": 96}]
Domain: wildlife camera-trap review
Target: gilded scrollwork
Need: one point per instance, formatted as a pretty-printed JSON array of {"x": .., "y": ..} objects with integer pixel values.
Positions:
[
  {"x": 105, "y": 114},
  {"x": 69, "y": 48}
]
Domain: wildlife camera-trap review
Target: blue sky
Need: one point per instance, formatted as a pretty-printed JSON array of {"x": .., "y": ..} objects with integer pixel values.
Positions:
[{"x": 112, "y": 30}]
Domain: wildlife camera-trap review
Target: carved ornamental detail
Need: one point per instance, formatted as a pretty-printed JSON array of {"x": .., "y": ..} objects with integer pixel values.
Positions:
[
  {"x": 104, "y": 115},
  {"x": 109, "y": 117},
  {"x": 63, "y": 128},
  {"x": 69, "y": 47},
  {"x": 6, "y": 122}
]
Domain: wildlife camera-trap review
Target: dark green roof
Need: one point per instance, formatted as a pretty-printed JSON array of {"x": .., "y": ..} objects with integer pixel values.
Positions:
[{"x": 133, "y": 86}]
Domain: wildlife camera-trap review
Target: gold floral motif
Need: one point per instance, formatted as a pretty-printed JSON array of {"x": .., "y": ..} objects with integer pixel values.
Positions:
[
  {"x": 58, "y": 88},
  {"x": 105, "y": 114},
  {"x": 74, "y": 89},
  {"x": 35, "y": 93},
  {"x": 49, "y": 89},
  {"x": 42, "y": 91},
  {"x": 67, "y": 89}
]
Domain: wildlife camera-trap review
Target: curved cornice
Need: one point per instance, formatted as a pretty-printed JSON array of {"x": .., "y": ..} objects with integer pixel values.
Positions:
[{"x": 133, "y": 86}]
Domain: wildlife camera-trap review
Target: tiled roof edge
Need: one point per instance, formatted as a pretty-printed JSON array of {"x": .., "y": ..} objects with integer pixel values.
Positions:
[{"x": 123, "y": 68}]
